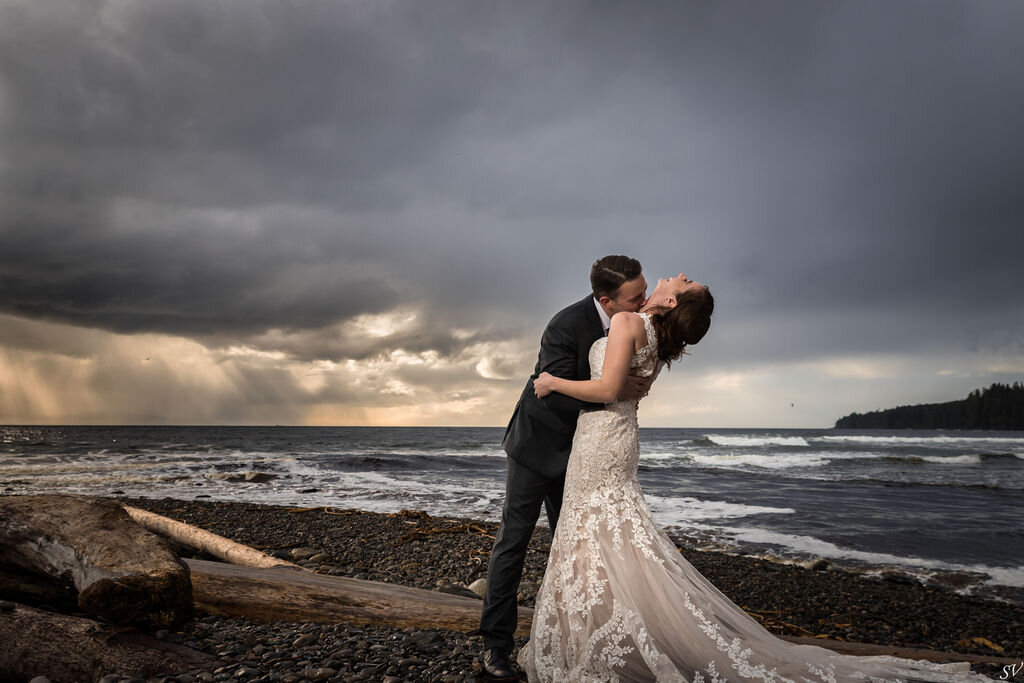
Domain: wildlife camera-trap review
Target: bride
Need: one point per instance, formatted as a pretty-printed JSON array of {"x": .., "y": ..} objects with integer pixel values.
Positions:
[{"x": 618, "y": 602}]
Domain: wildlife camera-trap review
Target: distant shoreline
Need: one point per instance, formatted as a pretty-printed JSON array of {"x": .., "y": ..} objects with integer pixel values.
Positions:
[{"x": 999, "y": 407}]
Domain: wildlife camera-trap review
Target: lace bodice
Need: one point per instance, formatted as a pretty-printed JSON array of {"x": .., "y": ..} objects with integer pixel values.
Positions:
[
  {"x": 619, "y": 603},
  {"x": 609, "y": 437},
  {"x": 644, "y": 361}
]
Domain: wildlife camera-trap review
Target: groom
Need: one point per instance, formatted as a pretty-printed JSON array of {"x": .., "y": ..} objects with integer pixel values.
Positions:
[{"x": 538, "y": 440}]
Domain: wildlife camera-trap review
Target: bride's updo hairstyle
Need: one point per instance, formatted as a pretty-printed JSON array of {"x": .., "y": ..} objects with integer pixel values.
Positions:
[{"x": 685, "y": 324}]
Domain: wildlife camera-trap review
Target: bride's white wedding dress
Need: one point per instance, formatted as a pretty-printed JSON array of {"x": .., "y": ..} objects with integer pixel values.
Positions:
[{"x": 619, "y": 603}]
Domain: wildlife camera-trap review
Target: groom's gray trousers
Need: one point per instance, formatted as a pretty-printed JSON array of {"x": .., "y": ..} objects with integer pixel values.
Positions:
[{"x": 525, "y": 492}]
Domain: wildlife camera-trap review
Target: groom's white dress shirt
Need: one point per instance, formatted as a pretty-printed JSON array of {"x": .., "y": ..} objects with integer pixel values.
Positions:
[{"x": 606, "y": 322}]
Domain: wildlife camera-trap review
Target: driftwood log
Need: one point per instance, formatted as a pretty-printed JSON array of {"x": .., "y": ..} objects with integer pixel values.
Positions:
[
  {"x": 66, "y": 648},
  {"x": 119, "y": 571},
  {"x": 206, "y": 541},
  {"x": 283, "y": 594},
  {"x": 264, "y": 588}
]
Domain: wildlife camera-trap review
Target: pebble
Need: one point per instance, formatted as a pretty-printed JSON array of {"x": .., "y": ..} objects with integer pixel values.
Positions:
[
  {"x": 303, "y": 640},
  {"x": 426, "y": 638},
  {"x": 300, "y": 554},
  {"x": 479, "y": 587},
  {"x": 457, "y": 589}
]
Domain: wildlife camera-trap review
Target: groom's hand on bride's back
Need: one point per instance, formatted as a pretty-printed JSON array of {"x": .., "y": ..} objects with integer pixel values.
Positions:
[{"x": 635, "y": 388}]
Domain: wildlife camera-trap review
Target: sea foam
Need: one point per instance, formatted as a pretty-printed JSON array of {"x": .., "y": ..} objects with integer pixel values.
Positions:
[
  {"x": 755, "y": 441},
  {"x": 768, "y": 461}
]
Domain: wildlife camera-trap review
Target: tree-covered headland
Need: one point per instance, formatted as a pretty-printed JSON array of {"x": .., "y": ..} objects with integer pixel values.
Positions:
[{"x": 1000, "y": 406}]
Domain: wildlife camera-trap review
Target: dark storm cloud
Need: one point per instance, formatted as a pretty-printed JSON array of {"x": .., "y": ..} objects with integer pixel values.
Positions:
[
  {"x": 189, "y": 278},
  {"x": 848, "y": 171}
]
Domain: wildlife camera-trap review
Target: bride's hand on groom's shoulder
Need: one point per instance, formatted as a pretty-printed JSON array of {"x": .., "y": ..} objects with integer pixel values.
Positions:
[{"x": 543, "y": 385}]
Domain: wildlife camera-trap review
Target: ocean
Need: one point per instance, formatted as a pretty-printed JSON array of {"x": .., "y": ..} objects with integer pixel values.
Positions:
[{"x": 940, "y": 506}]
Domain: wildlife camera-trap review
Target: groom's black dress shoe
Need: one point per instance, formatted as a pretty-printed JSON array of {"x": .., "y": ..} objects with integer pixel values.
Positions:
[{"x": 496, "y": 665}]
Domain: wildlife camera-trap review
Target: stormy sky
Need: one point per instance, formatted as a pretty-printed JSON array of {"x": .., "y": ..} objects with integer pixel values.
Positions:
[{"x": 255, "y": 212}]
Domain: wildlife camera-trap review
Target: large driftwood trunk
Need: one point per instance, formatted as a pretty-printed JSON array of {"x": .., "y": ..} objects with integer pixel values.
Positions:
[
  {"x": 38, "y": 590},
  {"x": 121, "y": 572},
  {"x": 282, "y": 594},
  {"x": 64, "y": 648}
]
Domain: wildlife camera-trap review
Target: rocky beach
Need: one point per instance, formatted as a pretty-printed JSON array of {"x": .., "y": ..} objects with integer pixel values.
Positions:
[{"x": 443, "y": 553}]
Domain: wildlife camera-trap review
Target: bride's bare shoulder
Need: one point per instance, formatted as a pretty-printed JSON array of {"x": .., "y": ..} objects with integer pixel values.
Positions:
[{"x": 632, "y": 322}]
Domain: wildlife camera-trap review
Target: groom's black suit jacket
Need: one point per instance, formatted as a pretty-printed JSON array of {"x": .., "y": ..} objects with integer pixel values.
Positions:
[{"x": 539, "y": 435}]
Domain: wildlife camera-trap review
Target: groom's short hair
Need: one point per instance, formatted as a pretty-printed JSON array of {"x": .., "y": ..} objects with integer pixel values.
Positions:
[{"x": 609, "y": 273}]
